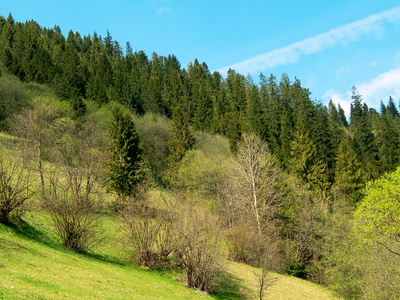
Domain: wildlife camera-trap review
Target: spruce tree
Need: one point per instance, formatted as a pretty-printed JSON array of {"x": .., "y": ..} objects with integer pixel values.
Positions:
[
  {"x": 350, "y": 176},
  {"x": 126, "y": 168},
  {"x": 180, "y": 142},
  {"x": 362, "y": 129}
]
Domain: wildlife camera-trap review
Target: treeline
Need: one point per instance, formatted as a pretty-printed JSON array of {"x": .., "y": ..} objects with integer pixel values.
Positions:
[
  {"x": 283, "y": 190},
  {"x": 281, "y": 111}
]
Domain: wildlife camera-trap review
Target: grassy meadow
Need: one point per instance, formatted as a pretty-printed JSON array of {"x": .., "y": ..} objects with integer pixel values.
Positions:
[{"x": 33, "y": 265}]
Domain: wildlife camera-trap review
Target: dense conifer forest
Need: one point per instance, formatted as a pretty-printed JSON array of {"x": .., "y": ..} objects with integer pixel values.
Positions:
[{"x": 288, "y": 183}]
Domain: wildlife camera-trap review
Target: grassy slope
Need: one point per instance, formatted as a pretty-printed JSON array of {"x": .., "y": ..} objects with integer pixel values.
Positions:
[{"x": 34, "y": 266}]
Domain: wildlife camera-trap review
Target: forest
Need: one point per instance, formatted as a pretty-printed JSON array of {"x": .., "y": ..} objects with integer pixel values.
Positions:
[{"x": 273, "y": 178}]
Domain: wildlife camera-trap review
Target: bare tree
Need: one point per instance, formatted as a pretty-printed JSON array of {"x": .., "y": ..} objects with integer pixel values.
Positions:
[
  {"x": 256, "y": 179},
  {"x": 263, "y": 282},
  {"x": 34, "y": 127}
]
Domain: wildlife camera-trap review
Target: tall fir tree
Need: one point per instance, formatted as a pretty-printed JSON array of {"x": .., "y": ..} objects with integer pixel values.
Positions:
[
  {"x": 180, "y": 142},
  {"x": 362, "y": 131},
  {"x": 126, "y": 168},
  {"x": 350, "y": 176}
]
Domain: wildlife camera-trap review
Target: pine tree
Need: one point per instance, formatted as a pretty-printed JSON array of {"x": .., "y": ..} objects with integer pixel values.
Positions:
[
  {"x": 391, "y": 108},
  {"x": 126, "y": 168},
  {"x": 270, "y": 98}
]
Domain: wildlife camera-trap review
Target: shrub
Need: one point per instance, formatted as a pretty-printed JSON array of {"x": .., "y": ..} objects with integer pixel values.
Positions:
[
  {"x": 147, "y": 229},
  {"x": 73, "y": 214},
  {"x": 15, "y": 188},
  {"x": 197, "y": 247}
]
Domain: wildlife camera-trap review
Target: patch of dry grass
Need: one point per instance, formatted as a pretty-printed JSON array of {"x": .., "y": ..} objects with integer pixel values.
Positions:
[{"x": 283, "y": 287}]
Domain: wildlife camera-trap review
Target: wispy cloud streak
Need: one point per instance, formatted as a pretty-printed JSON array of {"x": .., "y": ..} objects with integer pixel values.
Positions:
[
  {"x": 163, "y": 9},
  {"x": 372, "y": 25}
]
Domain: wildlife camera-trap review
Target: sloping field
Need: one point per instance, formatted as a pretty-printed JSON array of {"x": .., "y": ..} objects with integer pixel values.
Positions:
[{"x": 33, "y": 265}]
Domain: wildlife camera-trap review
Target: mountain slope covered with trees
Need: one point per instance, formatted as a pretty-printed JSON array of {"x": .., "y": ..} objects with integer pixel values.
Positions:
[{"x": 274, "y": 178}]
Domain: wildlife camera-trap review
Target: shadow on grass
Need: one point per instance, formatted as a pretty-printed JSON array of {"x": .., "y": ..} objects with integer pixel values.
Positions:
[
  {"x": 34, "y": 231},
  {"x": 25, "y": 230},
  {"x": 227, "y": 286},
  {"x": 106, "y": 259}
]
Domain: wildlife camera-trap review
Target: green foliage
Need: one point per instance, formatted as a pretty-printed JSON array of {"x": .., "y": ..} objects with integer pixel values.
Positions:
[
  {"x": 14, "y": 97},
  {"x": 344, "y": 257},
  {"x": 155, "y": 132},
  {"x": 378, "y": 215},
  {"x": 126, "y": 167},
  {"x": 203, "y": 169}
]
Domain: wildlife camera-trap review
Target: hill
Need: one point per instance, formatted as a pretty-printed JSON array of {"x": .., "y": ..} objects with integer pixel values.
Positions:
[{"x": 33, "y": 265}]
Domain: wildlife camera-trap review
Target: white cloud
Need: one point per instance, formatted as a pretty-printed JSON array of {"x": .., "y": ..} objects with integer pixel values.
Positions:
[
  {"x": 380, "y": 88},
  {"x": 343, "y": 100},
  {"x": 372, "y": 25}
]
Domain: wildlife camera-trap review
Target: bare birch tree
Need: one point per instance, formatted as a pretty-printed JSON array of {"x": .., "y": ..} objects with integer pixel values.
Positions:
[{"x": 256, "y": 179}]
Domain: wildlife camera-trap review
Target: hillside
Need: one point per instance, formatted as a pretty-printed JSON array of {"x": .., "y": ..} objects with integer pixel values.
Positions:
[
  {"x": 33, "y": 265},
  {"x": 255, "y": 172}
]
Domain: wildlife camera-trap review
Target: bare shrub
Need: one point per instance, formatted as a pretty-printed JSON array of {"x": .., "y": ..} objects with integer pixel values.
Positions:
[
  {"x": 73, "y": 214},
  {"x": 15, "y": 188},
  {"x": 247, "y": 246},
  {"x": 148, "y": 229},
  {"x": 72, "y": 195},
  {"x": 197, "y": 247}
]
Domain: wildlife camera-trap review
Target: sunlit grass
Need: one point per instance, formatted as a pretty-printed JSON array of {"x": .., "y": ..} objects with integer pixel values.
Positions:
[{"x": 33, "y": 265}]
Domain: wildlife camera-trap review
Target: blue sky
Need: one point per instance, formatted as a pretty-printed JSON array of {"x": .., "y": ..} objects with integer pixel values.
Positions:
[{"x": 329, "y": 45}]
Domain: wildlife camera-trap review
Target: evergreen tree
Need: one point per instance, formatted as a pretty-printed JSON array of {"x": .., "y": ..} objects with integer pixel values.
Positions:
[
  {"x": 362, "y": 130},
  {"x": 383, "y": 109},
  {"x": 305, "y": 163},
  {"x": 172, "y": 85},
  {"x": 388, "y": 140},
  {"x": 126, "y": 168},
  {"x": 391, "y": 108},
  {"x": 180, "y": 142},
  {"x": 152, "y": 96},
  {"x": 269, "y": 93},
  {"x": 255, "y": 113},
  {"x": 350, "y": 176},
  {"x": 342, "y": 116},
  {"x": 286, "y": 120},
  {"x": 221, "y": 110}
]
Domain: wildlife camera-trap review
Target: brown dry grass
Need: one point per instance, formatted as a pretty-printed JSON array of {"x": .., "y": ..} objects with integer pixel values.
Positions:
[{"x": 283, "y": 287}]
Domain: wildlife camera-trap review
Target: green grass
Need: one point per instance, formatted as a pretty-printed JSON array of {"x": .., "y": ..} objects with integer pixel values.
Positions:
[{"x": 34, "y": 265}]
